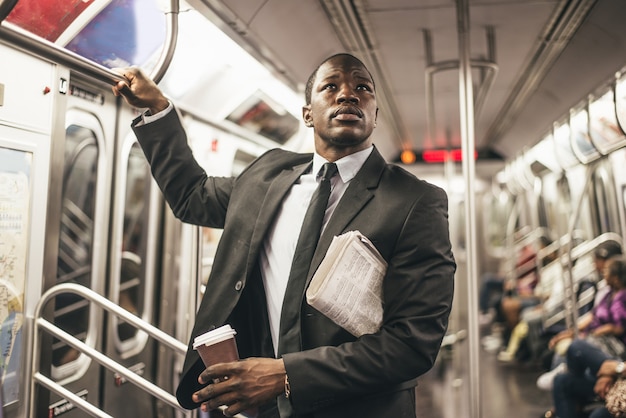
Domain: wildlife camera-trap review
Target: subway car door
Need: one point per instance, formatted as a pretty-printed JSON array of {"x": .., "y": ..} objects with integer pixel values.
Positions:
[
  {"x": 135, "y": 247},
  {"x": 83, "y": 225}
]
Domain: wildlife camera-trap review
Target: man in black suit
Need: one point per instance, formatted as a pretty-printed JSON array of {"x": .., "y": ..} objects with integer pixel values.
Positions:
[{"x": 330, "y": 373}]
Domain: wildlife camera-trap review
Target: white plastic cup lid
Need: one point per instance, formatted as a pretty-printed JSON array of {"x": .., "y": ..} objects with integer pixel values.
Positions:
[{"x": 214, "y": 336}]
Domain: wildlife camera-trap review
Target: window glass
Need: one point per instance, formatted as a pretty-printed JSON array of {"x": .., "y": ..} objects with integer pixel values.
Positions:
[
  {"x": 126, "y": 32},
  {"x": 76, "y": 237},
  {"x": 262, "y": 115},
  {"x": 113, "y": 33},
  {"x": 134, "y": 239},
  {"x": 542, "y": 210},
  {"x": 499, "y": 208},
  {"x": 47, "y": 18},
  {"x": 563, "y": 205},
  {"x": 605, "y": 201}
]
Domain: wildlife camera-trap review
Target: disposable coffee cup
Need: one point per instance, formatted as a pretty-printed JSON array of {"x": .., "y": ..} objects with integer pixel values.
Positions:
[{"x": 219, "y": 346}]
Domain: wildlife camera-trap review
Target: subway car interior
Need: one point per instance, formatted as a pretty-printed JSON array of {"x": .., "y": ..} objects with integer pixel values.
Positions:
[{"x": 516, "y": 108}]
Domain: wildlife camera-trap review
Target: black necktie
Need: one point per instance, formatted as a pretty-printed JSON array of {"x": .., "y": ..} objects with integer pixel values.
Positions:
[{"x": 289, "y": 340}]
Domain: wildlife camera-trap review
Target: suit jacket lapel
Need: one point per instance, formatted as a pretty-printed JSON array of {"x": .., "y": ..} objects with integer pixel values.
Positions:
[
  {"x": 273, "y": 198},
  {"x": 358, "y": 193}
]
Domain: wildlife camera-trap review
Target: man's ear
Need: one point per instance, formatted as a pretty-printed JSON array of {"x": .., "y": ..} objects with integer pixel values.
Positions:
[
  {"x": 306, "y": 115},
  {"x": 376, "y": 117}
]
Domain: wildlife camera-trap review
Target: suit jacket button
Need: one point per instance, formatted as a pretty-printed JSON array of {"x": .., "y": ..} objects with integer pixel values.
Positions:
[{"x": 238, "y": 285}]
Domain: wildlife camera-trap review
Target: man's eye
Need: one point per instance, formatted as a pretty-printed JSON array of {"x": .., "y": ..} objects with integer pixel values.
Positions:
[
  {"x": 329, "y": 86},
  {"x": 363, "y": 87}
]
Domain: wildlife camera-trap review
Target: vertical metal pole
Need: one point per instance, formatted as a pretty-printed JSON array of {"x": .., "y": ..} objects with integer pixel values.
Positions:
[
  {"x": 430, "y": 97},
  {"x": 466, "y": 101}
]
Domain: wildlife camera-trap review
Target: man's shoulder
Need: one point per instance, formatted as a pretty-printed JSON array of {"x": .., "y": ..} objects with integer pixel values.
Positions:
[
  {"x": 276, "y": 160},
  {"x": 279, "y": 155},
  {"x": 406, "y": 179}
]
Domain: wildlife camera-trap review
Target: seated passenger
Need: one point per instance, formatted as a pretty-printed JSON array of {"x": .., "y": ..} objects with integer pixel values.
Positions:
[
  {"x": 523, "y": 307},
  {"x": 589, "y": 291},
  {"x": 608, "y": 317},
  {"x": 513, "y": 296},
  {"x": 574, "y": 388},
  {"x": 520, "y": 294},
  {"x": 604, "y": 326},
  {"x": 590, "y": 374},
  {"x": 528, "y": 329}
]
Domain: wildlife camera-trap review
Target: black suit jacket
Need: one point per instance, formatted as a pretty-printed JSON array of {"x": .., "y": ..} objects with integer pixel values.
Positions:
[{"x": 335, "y": 374}]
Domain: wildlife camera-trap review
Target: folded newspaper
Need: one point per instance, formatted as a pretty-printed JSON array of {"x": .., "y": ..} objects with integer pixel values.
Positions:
[{"x": 348, "y": 285}]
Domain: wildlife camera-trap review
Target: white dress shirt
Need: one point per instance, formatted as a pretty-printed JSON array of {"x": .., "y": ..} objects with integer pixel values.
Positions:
[{"x": 280, "y": 243}]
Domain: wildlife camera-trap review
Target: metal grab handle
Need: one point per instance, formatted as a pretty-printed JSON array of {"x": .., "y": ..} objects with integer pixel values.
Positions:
[{"x": 104, "y": 303}]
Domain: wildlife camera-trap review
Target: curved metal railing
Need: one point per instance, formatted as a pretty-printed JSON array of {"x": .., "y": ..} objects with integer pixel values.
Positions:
[{"x": 41, "y": 324}]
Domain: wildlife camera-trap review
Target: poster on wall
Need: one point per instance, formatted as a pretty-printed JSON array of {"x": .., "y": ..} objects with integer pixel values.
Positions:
[
  {"x": 563, "y": 146},
  {"x": 603, "y": 126},
  {"x": 581, "y": 141},
  {"x": 620, "y": 101},
  {"x": 15, "y": 170}
]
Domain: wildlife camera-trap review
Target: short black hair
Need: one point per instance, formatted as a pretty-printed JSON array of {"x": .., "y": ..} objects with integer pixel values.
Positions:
[
  {"x": 607, "y": 250},
  {"x": 617, "y": 268},
  {"x": 309, "y": 83}
]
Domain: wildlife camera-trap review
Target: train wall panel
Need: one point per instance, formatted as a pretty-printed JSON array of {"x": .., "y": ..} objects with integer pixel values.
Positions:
[{"x": 27, "y": 85}]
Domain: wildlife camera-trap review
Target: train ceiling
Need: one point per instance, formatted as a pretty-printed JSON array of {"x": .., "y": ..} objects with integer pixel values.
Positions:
[{"x": 532, "y": 60}]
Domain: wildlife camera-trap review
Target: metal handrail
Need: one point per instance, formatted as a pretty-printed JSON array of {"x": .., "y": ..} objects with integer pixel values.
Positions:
[
  {"x": 24, "y": 39},
  {"x": 42, "y": 324}
]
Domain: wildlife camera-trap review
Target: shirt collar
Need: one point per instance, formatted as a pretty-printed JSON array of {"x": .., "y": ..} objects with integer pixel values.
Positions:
[{"x": 347, "y": 166}]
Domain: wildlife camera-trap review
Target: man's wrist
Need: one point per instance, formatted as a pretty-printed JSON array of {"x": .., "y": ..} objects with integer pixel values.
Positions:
[
  {"x": 149, "y": 117},
  {"x": 287, "y": 387},
  {"x": 619, "y": 368},
  {"x": 159, "y": 106}
]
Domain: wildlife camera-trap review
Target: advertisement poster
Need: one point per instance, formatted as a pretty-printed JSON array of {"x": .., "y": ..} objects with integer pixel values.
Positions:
[
  {"x": 603, "y": 127},
  {"x": 620, "y": 101},
  {"x": 15, "y": 169}
]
